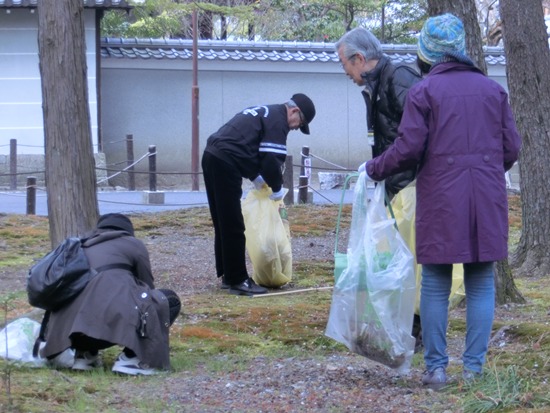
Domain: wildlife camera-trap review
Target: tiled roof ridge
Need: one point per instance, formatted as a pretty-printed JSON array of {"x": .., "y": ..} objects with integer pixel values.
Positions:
[
  {"x": 98, "y": 4},
  {"x": 253, "y": 50}
]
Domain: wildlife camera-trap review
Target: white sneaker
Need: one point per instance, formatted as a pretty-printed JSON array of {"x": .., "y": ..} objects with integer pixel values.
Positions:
[
  {"x": 84, "y": 361},
  {"x": 132, "y": 366},
  {"x": 64, "y": 360}
]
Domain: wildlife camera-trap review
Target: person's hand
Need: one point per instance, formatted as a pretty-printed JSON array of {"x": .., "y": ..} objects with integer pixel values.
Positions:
[
  {"x": 259, "y": 183},
  {"x": 363, "y": 168},
  {"x": 368, "y": 178},
  {"x": 277, "y": 196}
]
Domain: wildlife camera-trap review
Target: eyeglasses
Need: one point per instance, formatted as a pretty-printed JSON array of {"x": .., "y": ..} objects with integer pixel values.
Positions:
[
  {"x": 302, "y": 119},
  {"x": 349, "y": 59}
]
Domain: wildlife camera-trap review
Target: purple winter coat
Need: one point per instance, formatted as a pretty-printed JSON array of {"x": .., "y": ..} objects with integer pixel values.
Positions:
[{"x": 458, "y": 128}]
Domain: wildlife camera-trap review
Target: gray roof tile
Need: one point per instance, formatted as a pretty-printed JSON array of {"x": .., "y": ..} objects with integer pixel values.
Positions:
[
  {"x": 249, "y": 50},
  {"x": 96, "y": 4}
]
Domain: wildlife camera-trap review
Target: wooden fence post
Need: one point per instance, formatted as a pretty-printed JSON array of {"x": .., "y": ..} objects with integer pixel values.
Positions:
[
  {"x": 288, "y": 179},
  {"x": 302, "y": 191},
  {"x": 130, "y": 161},
  {"x": 152, "y": 168},
  {"x": 13, "y": 164},
  {"x": 31, "y": 195}
]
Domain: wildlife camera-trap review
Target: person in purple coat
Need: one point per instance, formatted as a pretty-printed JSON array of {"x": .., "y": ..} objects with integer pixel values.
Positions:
[{"x": 458, "y": 130}]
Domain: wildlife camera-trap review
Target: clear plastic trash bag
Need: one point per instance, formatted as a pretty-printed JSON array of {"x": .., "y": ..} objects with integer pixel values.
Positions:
[
  {"x": 17, "y": 341},
  {"x": 373, "y": 300}
]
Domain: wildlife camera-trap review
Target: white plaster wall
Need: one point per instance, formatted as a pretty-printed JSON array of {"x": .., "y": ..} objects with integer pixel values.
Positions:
[
  {"x": 152, "y": 101},
  {"x": 20, "y": 86}
]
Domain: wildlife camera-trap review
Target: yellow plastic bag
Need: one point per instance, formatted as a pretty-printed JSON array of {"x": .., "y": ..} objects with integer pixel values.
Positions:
[
  {"x": 267, "y": 238},
  {"x": 404, "y": 210}
]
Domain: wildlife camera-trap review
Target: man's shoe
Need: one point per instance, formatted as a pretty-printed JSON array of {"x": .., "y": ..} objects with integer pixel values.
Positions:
[
  {"x": 85, "y": 361},
  {"x": 469, "y": 376},
  {"x": 132, "y": 366},
  {"x": 224, "y": 285},
  {"x": 436, "y": 379},
  {"x": 247, "y": 287}
]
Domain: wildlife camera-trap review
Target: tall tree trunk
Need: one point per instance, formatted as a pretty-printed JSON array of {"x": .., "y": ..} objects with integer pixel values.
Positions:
[
  {"x": 505, "y": 287},
  {"x": 70, "y": 168},
  {"x": 527, "y": 62}
]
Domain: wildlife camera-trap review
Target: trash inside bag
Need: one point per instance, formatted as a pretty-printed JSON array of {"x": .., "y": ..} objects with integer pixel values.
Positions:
[
  {"x": 20, "y": 336},
  {"x": 267, "y": 239},
  {"x": 373, "y": 299}
]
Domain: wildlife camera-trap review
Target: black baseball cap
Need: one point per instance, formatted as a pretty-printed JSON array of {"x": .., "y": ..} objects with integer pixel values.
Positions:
[{"x": 307, "y": 108}]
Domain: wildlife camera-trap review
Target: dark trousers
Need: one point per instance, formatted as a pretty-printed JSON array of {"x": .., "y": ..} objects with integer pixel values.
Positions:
[{"x": 223, "y": 183}]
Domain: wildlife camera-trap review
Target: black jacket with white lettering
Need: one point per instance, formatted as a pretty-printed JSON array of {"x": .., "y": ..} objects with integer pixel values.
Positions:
[{"x": 254, "y": 141}]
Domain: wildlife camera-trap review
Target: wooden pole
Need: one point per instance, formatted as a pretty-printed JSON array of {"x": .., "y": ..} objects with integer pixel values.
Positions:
[
  {"x": 13, "y": 164},
  {"x": 288, "y": 179},
  {"x": 130, "y": 161},
  {"x": 302, "y": 190},
  {"x": 31, "y": 195},
  {"x": 152, "y": 168},
  {"x": 195, "y": 110}
]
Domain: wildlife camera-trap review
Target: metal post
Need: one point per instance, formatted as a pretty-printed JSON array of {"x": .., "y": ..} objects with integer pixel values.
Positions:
[
  {"x": 31, "y": 195},
  {"x": 13, "y": 164},
  {"x": 152, "y": 168},
  {"x": 130, "y": 161},
  {"x": 288, "y": 179}
]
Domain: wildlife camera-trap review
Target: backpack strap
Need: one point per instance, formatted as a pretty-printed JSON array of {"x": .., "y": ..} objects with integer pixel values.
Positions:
[
  {"x": 115, "y": 266},
  {"x": 41, "y": 335}
]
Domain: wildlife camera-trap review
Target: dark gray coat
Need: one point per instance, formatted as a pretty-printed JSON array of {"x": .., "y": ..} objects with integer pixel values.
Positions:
[{"x": 113, "y": 304}]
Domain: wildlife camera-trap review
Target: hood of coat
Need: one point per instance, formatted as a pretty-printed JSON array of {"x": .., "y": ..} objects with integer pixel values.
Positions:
[{"x": 98, "y": 236}]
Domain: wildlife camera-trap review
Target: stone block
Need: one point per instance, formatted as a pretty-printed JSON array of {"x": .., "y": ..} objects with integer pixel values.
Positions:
[
  {"x": 331, "y": 180},
  {"x": 153, "y": 197}
]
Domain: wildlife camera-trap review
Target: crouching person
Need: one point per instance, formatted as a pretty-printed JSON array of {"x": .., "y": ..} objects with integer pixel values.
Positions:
[{"x": 119, "y": 306}]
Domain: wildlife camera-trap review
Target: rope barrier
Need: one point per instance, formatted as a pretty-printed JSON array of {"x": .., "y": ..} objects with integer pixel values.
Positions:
[
  {"x": 321, "y": 159},
  {"x": 152, "y": 205},
  {"x": 125, "y": 169},
  {"x": 298, "y": 187},
  {"x": 24, "y": 173},
  {"x": 112, "y": 172}
]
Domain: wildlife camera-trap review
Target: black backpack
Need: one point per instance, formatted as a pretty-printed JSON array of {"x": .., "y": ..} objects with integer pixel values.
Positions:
[{"x": 59, "y": 277}]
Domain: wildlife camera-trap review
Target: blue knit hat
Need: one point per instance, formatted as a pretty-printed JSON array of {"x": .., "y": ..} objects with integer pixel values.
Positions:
[{"x": 441, "y": 35}]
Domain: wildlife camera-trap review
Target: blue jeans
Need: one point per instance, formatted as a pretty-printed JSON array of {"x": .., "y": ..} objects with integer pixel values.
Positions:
[{"x": 434, "y": 313}]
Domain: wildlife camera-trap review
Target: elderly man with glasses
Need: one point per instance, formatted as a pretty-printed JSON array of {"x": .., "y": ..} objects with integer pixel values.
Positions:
[
  {"x": 251, "y": 145},
  {"x": 385, "y": 87}
]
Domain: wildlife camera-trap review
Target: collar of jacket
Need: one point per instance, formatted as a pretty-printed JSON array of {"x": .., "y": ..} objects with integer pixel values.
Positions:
[
  {"x": 371, "y": 78},
  {"x": 454, "y": 66}
]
